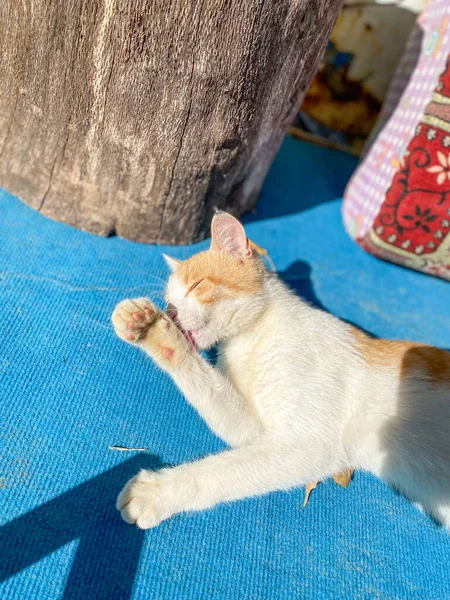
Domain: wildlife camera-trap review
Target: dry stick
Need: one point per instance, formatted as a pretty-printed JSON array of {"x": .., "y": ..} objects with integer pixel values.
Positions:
[
  {"x": 124, "y": 449},
  {"x": 343, "y": 479}
]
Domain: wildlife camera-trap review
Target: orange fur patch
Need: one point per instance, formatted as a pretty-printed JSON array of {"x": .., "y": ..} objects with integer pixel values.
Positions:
[
  {"x": 220, "y": 270},
  {"x": 409, "y": 358},
  {"x": 435, "y": 363},
  {"x": 381, "y": 352}
]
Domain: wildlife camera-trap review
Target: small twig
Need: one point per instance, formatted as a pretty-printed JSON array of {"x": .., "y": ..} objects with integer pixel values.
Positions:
[
  {"x": 124, "y": 449},
  {"x": 309, "y": 488},
  {"x": 344, "y": 478}
]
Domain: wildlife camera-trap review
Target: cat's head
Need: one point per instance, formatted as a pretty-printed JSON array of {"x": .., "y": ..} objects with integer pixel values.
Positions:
[{"x": 216, "y": 293}]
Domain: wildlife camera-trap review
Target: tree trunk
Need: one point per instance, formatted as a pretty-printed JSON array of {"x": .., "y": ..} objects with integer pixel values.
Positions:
[{"x": 139, "y": 117}]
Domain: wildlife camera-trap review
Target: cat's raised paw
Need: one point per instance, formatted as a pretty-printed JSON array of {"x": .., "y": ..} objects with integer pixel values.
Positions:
[
  {"x": 140, "y": 322},
  {"x": 133, "y": 318},
  {"x": 141, "y": 501}
]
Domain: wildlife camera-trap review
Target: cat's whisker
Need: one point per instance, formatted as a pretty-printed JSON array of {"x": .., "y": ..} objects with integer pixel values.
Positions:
[
  {"x": 156, "y": 286},
  {"x": 189, "y": 325},
  {"x": 159, "y": 279}
]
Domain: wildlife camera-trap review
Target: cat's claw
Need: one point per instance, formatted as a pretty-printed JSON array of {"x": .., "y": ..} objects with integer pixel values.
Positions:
[{"x": 133, "y": 318}]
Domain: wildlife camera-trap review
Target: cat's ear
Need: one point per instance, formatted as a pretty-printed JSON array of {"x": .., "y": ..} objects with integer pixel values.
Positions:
[
  {"x": 172, "y": 263},
  {"x": 228, "y": 234}
]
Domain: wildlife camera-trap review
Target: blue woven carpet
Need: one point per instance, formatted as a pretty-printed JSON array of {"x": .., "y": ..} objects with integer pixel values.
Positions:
[{"x": 69, "y": 389}]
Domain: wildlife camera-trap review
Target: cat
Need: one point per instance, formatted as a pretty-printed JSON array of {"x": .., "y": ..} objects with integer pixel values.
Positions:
[{"x": 298, "y": 395}]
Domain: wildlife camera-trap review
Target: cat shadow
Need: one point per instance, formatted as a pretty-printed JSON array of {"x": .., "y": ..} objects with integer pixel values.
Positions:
[
  {"x": 108, "y": 549},
  {"x": 298, "y": 278}
]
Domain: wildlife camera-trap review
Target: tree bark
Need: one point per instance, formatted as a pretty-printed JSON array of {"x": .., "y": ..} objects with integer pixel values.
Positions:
[{"x": 140, "y": 116}]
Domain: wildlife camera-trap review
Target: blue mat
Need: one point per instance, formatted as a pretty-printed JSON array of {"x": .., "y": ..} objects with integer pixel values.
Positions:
[{"x": 69, "y": 389}]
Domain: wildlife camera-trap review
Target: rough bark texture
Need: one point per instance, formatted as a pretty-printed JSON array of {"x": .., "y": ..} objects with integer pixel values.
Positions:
[{"x": 139, "y": 116}]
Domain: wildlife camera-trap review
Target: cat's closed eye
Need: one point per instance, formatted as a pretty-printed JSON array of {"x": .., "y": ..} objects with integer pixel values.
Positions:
[{"x": 194, "y": 285}]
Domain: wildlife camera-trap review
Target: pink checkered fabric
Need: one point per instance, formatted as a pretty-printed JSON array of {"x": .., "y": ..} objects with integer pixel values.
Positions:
[{"x": 410, "y": 91}]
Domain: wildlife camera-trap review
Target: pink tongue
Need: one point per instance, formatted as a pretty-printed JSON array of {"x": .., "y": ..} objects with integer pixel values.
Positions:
[
  {"x": 190, "y": 338},
  {"x": 187, "y": 334}
]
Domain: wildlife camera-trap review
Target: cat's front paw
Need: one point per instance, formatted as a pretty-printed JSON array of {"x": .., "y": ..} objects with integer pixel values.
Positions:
[
  {"x": 141, "y": 322},
  {"x": 133, "y": 318},
  {"x": 144, "y": 501}
]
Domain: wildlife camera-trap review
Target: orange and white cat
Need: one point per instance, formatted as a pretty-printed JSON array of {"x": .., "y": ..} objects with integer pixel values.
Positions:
[{"x": 298, "y": 394}]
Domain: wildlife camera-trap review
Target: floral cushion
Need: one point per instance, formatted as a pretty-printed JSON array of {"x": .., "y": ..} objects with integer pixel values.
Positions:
[{"x": 397, "y": 204}]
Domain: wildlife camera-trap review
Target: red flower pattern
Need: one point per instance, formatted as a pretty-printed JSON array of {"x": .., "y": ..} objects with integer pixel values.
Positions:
[{"x": 414, "y": 218}]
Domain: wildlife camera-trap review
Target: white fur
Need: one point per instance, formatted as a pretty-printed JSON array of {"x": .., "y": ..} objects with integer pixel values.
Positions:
[
  {"x": 298, "y": 403},
  {"x": 172, "y": 263}
]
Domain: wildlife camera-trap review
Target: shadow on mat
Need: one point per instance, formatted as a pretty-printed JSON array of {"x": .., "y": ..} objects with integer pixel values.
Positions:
[
  {"x": 298, "y": 277},
  {"x": 108, "y": 551}
]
